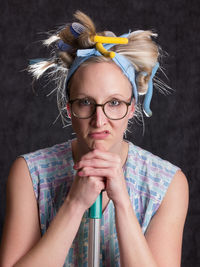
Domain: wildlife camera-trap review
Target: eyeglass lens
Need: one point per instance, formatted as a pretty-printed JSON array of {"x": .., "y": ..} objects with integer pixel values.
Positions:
[{"x": 113, "y": 109}]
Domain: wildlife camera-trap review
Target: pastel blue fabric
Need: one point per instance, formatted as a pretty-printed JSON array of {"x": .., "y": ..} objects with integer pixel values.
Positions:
[{"x": 147, "y": 177}]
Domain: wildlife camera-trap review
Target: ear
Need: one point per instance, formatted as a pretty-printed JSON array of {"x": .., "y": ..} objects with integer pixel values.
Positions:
[
  {"x": 132, "y": 109},
  {"x": 68, "y": 110}
]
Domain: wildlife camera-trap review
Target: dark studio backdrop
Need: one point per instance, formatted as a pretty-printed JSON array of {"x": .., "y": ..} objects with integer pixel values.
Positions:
[{"x": 172, "y": 132}]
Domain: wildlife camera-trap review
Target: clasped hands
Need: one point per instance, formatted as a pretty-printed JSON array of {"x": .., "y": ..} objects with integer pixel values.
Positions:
[{"x": 96, "y": 171}]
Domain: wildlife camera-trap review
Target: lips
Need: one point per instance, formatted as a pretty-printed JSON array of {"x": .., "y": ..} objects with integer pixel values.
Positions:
[
  {"x": 105, "y": 132},
  {"x": 99, "y": 135}
]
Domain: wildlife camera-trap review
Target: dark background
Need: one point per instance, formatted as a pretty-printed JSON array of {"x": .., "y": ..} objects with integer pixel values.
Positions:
[{"x": 172, "y": 132}]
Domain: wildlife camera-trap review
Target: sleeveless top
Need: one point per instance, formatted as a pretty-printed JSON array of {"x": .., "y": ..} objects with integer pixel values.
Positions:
[{"x": 147, "y": 178}]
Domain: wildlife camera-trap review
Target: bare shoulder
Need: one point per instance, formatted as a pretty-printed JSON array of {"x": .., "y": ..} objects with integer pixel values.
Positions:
[
  {"x": 21, "y": 227},
  {"x": 175, "y": 203},
  {"x": 18, "y": 172},
  {"x": 19, "y": 184},
  {"x": 179, "y": 182},
  {"x": 177, "y": 196}
]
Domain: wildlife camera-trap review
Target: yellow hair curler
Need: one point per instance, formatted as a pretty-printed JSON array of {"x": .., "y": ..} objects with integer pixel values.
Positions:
[
  {"x": 99, "y": 40},
  {"x": 104, "y": 52},
  {"x": 109, "y": 40}
]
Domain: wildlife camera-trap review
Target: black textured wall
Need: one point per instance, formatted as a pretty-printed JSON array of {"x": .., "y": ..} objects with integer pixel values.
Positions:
[{"x": 27, "y": 116}]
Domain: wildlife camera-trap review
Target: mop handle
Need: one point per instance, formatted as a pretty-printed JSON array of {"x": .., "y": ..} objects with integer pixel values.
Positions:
[{"x": 95, "y": 211}]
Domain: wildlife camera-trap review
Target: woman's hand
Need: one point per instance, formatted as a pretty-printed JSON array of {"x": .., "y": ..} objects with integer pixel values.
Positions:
[
  {"x": 107, "y": 167},
  {"x": 85, "y": 190}
]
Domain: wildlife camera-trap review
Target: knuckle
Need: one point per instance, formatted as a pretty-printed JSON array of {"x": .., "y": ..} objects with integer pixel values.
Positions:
[
  {"x": 86, "y": 170},
  {"x": 95, "y": 183},
  {"x": 118, "y": 159},
  {"x": 95, "y": 152}
]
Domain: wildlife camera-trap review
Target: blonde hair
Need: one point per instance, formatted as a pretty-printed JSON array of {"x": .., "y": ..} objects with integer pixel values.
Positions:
[{"x": 141, "y": 50}]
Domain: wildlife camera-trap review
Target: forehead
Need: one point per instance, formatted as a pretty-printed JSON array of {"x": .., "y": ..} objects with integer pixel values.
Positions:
[{"x": 100, "y": 80}]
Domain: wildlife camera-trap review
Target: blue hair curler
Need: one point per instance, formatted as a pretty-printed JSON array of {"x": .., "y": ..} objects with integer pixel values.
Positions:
[
  {"x": 148, "y": 96},
  {"x": 76, "y": 29}
]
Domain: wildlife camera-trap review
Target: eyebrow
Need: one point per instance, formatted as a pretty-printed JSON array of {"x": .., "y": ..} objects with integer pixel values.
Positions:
[{"x": 109, "y": 97}]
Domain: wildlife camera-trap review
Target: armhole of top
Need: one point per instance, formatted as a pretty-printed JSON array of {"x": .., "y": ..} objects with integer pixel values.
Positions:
[{"x": 34, "y": 180}]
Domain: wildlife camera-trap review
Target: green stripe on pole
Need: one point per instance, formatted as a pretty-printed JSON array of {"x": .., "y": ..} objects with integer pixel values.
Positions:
[{"x": 95, "y": 211}]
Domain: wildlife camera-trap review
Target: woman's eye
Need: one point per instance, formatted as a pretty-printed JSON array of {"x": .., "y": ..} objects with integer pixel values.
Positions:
[
  {"x": 114, "y": 102},
  {"x": 84, "y": 102}
]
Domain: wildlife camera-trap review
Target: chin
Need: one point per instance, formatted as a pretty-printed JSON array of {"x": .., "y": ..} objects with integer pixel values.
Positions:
[
  {"x": 97, "y": 143},
  {"x": 107, "y": 144}
]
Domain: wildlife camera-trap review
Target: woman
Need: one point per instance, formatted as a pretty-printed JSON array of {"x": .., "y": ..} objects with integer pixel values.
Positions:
[{"x": 145, "y": 198}]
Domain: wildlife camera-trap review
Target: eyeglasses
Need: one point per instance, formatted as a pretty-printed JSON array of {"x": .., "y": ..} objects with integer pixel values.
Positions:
[{"x": 84, "y": 108}]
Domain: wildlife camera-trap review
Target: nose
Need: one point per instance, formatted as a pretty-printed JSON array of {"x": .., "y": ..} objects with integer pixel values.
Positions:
[{"x": 99, "y": 118}]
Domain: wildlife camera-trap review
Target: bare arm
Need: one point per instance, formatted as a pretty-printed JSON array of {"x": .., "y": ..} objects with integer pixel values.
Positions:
[
  {"x": 21, "y": 227},
  {"x": 163, "y": 243},
  {"x": 22, "y": 244},
  {"x": 165, "y": 232}
]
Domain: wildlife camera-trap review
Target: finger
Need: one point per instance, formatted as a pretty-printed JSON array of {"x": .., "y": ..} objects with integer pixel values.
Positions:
[
  {"x": 98, "y": 172},
  {"x": 86, "y": 178},
  {"x": 97, "y": 154},
  {"x": 98, "y": 182},
  {"x": 82, "y": 173},
  {"x": 95, "y": 163}
]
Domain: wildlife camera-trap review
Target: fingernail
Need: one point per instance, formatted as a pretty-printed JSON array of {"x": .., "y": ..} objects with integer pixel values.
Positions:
[{"x": 75, "y": 166}]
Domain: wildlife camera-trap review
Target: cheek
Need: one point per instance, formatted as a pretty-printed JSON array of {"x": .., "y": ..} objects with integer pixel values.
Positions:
[
  {"x": 121, "y": 126},
  {"x": 79, "y": 126}
]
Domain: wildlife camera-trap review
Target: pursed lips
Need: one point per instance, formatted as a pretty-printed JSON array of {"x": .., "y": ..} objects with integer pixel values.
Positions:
[
  {"x": 99, "y": 135},
  {"x": 102, "y": 132}
]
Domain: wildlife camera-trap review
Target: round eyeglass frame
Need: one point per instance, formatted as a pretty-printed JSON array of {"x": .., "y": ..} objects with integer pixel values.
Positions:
[{"x": 99, "y": 105}]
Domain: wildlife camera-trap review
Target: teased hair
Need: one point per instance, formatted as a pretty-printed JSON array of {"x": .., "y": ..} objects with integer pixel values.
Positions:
[{"x": 141, "y": 50}]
